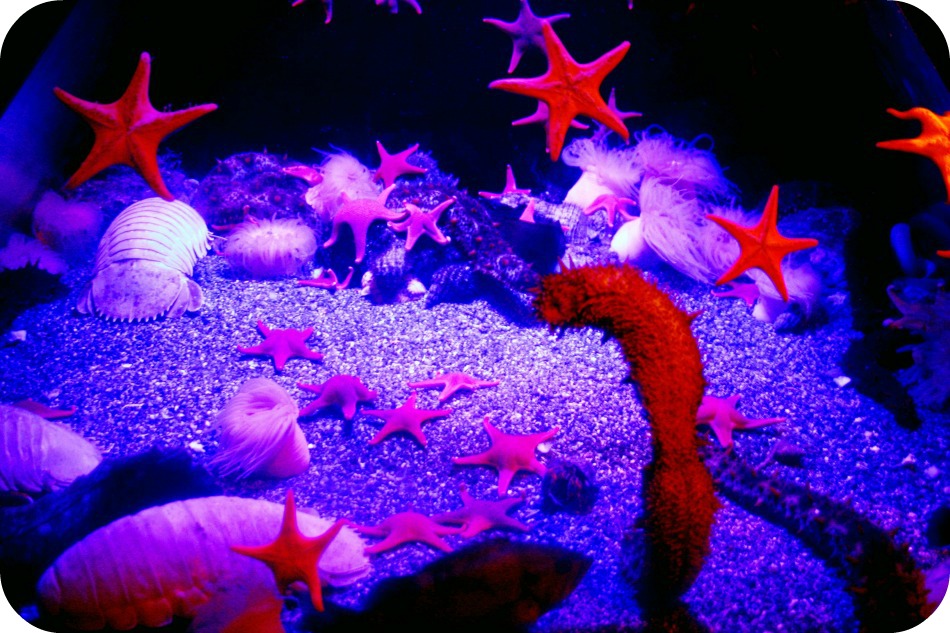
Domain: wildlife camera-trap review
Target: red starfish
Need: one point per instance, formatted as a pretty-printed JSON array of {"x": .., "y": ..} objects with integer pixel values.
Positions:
[
  {"x": 128, "y": 131},
  {"x": 569, "y": 89},
  {"x": 342, "y": 390},
  {"x": 408, "y": 527},
  {"x": 612, "y": 205},
  {"x": 282, "y": 345},
  {"x": 508, "y": 454},
  {"x": 933, "y": 142},
  {"x": 393, "y": 165},
  {"x": 525, "y": 31},
  {"x": 327, "y": 279},
  {"x": 510, "y": 186},
  {"x": 747, "y": 291},
  {"x": 476, "y": 515},
  {"x": 421, "y": 223},
  {"x": 762, "y": 246},
  {"x": 359, "y": 215},
  {"x": 452, "y": 383},
  {"x": 406, "y": 418},
  {"x": 44, "y": 411},
  {"x": 293, "y": 556},
  {"x": 721, "y": 415}
]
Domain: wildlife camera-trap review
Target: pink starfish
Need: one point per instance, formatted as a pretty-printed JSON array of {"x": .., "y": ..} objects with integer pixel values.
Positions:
[
  {"x": 282, "y": 345},
  {"x": 603, "y": 130},
  {"x": 452, "y": 383},
  {"x": 508, "y": 454},
  {"x": 393, "y": 165},
  {"x": 542, "y": 115},
  {"x": 525, "y": 31},
  {"x": 510, "y": 187},
  {"x": 528, "y": 214},
  {"x": 359, "y": 215},
  {"x": 421, "y": 222},
  {"x": 327, "y": 279},
  {"x": 477, "y": 515},
  {"x": 308, "y": 174},
  {"x": 721, "y": 415},
  {"x": 408, "y": 527},
  {"x": 612, "y": 205},
  {"x": 746, "y": 290},
  {"x": 406, "y": 418},
  {"x": 341, "y": 390},
  {"x": 394, "y": 5},
  {"x": 44, "y": 411}
]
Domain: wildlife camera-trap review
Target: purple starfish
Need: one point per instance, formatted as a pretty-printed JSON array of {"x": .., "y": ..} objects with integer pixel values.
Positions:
[
  {"x": 359, "y": 215},
  {"x": 327, "y": 279},
  {"x": 452, "y": 383},
  {"x": 341, "y": 390},
  {"x": 421, "y": 222},
  {"x": 392, "y": 166},
  {"x": 407, "y": 527},
  {"x": 282, "y": 345},
  {"x": 477, "y": 515},
  {"x": 510, "y": 186},
  {"x": 525, "y": 31},
  {"x": 613, "y": 205},
  {"x": 406, "y": 418},
  {"x": 721, "y": 415}
]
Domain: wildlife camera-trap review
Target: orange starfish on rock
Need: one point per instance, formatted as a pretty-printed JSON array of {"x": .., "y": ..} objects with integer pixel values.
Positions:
[
  {"x": 763, "y": 247},
  {"x": 933, "y": 142},
  {"x": 293, "y": 556},
  {"x": 128, "y": 131},
  {"x": 569, "y": 89}
]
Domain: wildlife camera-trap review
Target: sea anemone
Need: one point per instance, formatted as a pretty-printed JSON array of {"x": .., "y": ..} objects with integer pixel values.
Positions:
[
  {"x": 267, "y": 249},
  {"x": 259, "y": 433},
  {"x": 605, "y": 171},
  {"x": 70, "y": 228},
  {"x": 342, "y": 173},
  {"x": 22, "y": 251}
]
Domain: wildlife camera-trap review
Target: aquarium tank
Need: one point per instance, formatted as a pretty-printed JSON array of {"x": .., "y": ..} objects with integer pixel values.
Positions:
[{"x": 512, "y": 315}]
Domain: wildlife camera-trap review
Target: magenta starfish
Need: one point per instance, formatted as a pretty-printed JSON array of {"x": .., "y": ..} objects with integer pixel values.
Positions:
[
  {"x": 44, "y": 411},
  {"x": 327, "y": 279},
  {"x": 359, "y": 215},
  {"x": 282, "y": 345},
  {"x": 394, "y": 165},
  {"x": 541, "y": 115},
  {"x": 406, "y": 418},
  {"x": 746, "y": 290},
  {"x": 128, "y": 131},
  {"x": 341, "y": 390},
  {"x": 613, "y": 205},
  {"x": 510, "y": 186},
  {"x": 421, "y": 222},
  {"x": 528, "y": 214},
  {"x": 408, "y": 527},
  {"x": 477, "y": 515},
  {"x": 508, "y": 454},
  {"x": 525, "y": 31},
  {"x": 569, "y": 89},
  {"x": 452, "y": 383},
  {"x": 293, "y": 556},
  {"x": 603, "y": 130},
  {"x": 721, "y": 415}
]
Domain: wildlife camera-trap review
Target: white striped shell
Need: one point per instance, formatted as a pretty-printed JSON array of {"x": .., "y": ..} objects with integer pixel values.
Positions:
[
  {"x": 259, "y": 433},
  {"x": 145, "y": 261},
  {"x": 176, "y": 560},
  {"x": 37, "y": 455}
]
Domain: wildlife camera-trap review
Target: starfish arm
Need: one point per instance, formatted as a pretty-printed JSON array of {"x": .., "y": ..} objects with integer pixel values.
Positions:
[
  {"x": 742, "y": 422},
  {"x": 481, "y": 459},
  {"x": 505, "y": 475},
  {"x": 334, "y": 234},
  {"x": 723, "y": 434},
  {"x": 346, "y": 280}
]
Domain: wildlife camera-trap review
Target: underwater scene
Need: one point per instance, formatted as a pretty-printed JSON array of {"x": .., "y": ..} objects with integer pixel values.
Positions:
[{"x": 502, "y": 315}]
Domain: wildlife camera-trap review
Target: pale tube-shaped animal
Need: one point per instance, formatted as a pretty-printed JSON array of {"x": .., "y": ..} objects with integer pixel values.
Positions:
[
  {"x": 259, "y": 433},
  {"x": 38, "y": 456},
  {"x": 176, "y": 560}
]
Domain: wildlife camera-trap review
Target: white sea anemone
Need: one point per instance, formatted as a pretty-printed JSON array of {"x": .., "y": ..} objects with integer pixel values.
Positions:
[
  {"x": 22, "y": 251},
  {"x": 259, "y": 433},
  {"x": 604, "y": 171},
  {"x": 70, "y": 228},
  {"x": 267, "y": 249},
  {"x": 342, "y": 173}
]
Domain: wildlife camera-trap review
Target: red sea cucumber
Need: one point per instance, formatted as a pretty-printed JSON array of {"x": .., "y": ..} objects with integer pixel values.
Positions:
[{"x": 665, "y": 362}]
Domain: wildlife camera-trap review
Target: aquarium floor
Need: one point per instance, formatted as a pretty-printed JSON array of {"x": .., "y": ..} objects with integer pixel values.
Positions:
[{"x": 161, "y": 383}]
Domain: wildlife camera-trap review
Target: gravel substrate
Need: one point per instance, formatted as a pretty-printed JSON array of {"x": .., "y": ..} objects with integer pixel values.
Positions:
[{"x": 138, "y": 385}]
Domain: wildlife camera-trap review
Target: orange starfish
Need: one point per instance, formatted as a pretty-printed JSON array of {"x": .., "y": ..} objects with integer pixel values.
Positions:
[
  {"x": 293, "y": 556},
  {"x": 129, "y": 130},
  {"x": 569, "y": 89},
  {"x": 933, "y": 142},
  {"x": 762, "y": 246}
]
